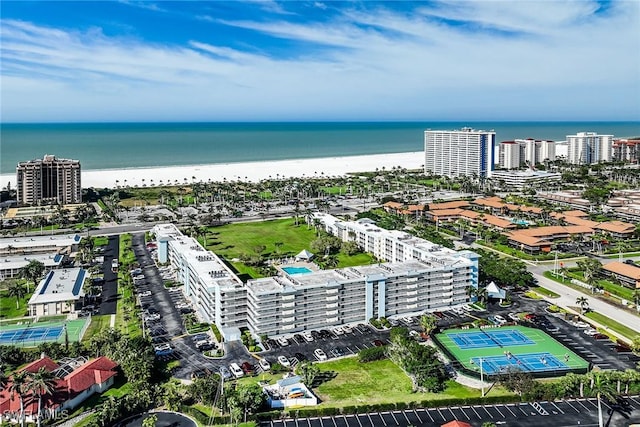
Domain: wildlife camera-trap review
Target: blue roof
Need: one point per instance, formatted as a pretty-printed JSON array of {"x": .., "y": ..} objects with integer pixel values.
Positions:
[
  {"x": 46, "y": 282},
  {"x": 79, "y": 280}
]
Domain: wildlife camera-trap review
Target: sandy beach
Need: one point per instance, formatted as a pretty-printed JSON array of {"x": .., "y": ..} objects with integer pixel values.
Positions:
[{"x": 250, "y": 171}]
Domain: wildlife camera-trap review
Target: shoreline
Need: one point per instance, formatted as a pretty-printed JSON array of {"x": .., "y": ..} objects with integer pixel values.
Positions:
[{"x": 242, "y": 171}]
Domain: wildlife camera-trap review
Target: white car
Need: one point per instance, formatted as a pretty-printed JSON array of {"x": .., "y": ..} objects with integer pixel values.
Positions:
[
  {"x": 307, "y": 336},
  {"x": 338, "y": 330},
  {"x": 499, "y": 319},
  {"x": 581, "y": 325},
  {"x": 320, "y": 355},
  {"x": 264, "y": 364},
  {"x": 152, "y": 317},
  {"x": 347, "y": 329},
  {"x": 513, "y": 316},
  {"x": 284, "y": 361},
  {"x": 235, "y": 370},
  {"x": 283, "y": 341},
  {"x": 145, "y": 294},
  {"x": 162, "y": 347},
  {"x": 590, "y": 331}
]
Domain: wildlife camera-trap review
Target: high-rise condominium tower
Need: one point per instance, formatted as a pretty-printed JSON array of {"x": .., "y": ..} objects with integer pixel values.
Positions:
[
  {"x": 49, "y": 180},
  {"x": 459, "y": 152},
  {"x": 586, "y": 148}
]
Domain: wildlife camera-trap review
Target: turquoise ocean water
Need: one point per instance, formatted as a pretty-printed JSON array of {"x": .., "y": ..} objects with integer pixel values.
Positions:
[{"x": 130, "y": 145}]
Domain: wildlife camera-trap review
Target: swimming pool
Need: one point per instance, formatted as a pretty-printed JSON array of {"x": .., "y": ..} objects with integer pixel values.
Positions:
[{"x": 296, "y": 270}]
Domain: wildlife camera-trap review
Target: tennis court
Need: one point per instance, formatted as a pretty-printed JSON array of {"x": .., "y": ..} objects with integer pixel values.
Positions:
[
  {"x": 32, "y": 334},
  {"x": 491, "y": 338},
  {"x": 498, "y": 349}
]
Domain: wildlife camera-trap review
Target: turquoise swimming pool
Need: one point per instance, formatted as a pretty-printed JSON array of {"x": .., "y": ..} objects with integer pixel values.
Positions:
[{"x": 296, "y": 270}]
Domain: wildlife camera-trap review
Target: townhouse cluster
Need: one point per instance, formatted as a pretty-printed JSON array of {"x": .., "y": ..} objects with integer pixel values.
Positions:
[{"x": 413, "y": 276}]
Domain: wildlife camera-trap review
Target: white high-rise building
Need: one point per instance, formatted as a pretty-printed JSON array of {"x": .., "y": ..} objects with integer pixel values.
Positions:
[
  {"x": 586, "y": 148},
  {"x": 509, "y": 152},
  {"x": 459, "y": 152}
]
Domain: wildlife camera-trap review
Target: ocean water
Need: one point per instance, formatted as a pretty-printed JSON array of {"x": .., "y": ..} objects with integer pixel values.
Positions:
[{"x": 130, "y": 145}]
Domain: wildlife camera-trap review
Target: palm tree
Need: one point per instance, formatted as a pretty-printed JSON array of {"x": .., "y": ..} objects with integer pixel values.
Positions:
[
  {"x": 428, "y": 323},
  {"x": 41, "y": 383},
  {"x": 602, "y": 388},
  {"x": 583, "y": 303},
  {"x": 32, "y": 272},
  {"x": 18, "y": 387},
  {"x": 18, "y": 291}
]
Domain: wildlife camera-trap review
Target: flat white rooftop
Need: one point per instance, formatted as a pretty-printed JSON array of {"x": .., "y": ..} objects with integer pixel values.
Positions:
[
  {"x": 62, "y": 240},
  {"x": 14, "y": 262},
  {"x": 60, "y": 285}
]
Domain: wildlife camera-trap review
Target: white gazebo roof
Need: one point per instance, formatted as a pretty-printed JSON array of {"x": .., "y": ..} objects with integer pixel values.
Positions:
[{"x": 304, "y": 254}]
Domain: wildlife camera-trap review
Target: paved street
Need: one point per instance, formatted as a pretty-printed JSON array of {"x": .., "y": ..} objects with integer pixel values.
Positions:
[{"x": 568, "y": 297}]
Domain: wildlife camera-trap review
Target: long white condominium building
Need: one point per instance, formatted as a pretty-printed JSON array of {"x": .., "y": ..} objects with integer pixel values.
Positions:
[
  {"x": 49, "y": 180},
  {"x": 588, "y": 147},
  {"x": 217, "y": 293},
  {"x": 419, "y": 276},
  {"x": 459, "y": 152}
]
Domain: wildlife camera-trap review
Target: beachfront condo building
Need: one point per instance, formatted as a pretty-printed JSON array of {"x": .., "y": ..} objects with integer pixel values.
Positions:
[
  {"x": 418, "y": 276},
  {"x": 525, "y": 152},
  {"x": 586, "y": 148},
  {"x": 465, "y": 152},
  {"x": 48, "y": 180}
]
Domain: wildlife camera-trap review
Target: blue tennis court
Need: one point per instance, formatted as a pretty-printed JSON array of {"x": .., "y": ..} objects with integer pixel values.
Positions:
[
  {"x": 18, "y": 336},
  {"x": 530, "y": 362},
  {"x": 493, "y": 338}
]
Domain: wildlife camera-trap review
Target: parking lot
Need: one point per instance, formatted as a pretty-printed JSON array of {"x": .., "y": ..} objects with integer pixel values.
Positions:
[
  {"x": 539, "y": 414},
  {"x": 164, "y": 310}
]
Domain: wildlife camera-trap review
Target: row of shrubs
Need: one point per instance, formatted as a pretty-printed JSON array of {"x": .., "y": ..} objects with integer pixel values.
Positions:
[{"x": 381, "y": 323}]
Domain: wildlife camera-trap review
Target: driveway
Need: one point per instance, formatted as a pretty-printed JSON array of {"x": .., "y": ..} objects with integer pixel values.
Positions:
[{"x": 110, "y": 286}]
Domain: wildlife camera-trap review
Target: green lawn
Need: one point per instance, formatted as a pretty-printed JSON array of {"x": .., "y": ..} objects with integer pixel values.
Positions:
[
  {"x": 98, "y": 323},
  {"x": 100, "y": 241},
  {"x": 545, "y": 291},
  {"x": 8, "y": 309},
  {"x": 612, "y": 324},
  {"x": 232, "y": 240},
  {"x": 377, "y": 382}
]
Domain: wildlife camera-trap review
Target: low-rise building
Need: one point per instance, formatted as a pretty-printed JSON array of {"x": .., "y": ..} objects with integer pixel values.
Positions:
[
  {"x": 60, "y": 292},
  {"x": 628, "y": 275},
  {"x": 520, "y": 180},
  {"x": 11, "y": 266},
  {"x": 75, "y": 381},
  {"x": 61, "y": 244},
  {"x": 540, "y": 239}
]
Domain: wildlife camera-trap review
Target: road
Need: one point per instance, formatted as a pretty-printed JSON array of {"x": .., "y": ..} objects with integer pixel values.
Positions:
[{"x": 568, "y": 298}]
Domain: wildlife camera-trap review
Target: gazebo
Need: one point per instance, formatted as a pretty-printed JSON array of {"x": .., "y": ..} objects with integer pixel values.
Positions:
[
  {"x": 304, "y": 255},
  {"x": 494, "y": 291},
  {"x": 456, "y": 423}
]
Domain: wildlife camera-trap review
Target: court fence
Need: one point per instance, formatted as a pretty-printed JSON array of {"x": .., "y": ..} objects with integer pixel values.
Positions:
[
  {"x": 84, "y": 327},
  {"x": 460, "y": 367}
]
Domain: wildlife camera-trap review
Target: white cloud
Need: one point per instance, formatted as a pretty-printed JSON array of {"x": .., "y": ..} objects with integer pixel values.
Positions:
[{"x": 567, "y": 64}]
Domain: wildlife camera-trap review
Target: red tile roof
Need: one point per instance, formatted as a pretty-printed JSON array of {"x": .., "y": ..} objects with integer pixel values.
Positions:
[
  {"x": 96, "y": 371},
  {"x": 43, "y": 362}
]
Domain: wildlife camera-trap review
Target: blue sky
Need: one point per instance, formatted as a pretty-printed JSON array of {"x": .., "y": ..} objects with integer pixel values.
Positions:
[{"x": 319, "y": 60}]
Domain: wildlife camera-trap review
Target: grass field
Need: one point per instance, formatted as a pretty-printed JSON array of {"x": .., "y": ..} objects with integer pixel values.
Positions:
[
  {"x": 612, "y": 324},
  {"x": 376, "y": 382},
  {"x": 233, "y": 240},
  {"x": 98, "y": 323},
  {"x": 8, "y": 309},
  {"x": 542, "y": 343},
  {"x": 545, "y": 291}
]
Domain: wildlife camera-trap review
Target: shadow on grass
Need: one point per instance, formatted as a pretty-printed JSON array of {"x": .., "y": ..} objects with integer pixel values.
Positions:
[{"x": 323, "y": 377}]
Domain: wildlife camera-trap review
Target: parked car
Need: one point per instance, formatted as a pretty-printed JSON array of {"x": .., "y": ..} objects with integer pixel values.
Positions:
[
  {"x": 378, "y": 343},
  {"x": 499, "y": 319},
  {"x": 283, "y": 341},
  {"x": 337, "y": 352},
  {"x": 320, "y": 354},
  {"x": 236, "y": 371},
  {"x": 264, "y": 364},
  {"x": 200, "y": 373},
  {"x": 307, "y": 336},
  {"x": 224, "y": 372},
  {"x": 513, "y": 316},
  {"x": 247, "y": 368},
  {"x": 301, "y": 357},
  {"x": 284, "y": 361}
]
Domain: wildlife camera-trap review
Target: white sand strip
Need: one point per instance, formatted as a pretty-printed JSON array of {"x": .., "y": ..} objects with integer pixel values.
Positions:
[{"x": 249, "y": 171}]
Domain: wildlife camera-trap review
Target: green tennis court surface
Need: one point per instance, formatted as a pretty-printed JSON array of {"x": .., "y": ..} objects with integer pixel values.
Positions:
[
  {"x": 499, "y": 349},
  {"x": 32, "y": 334}
]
